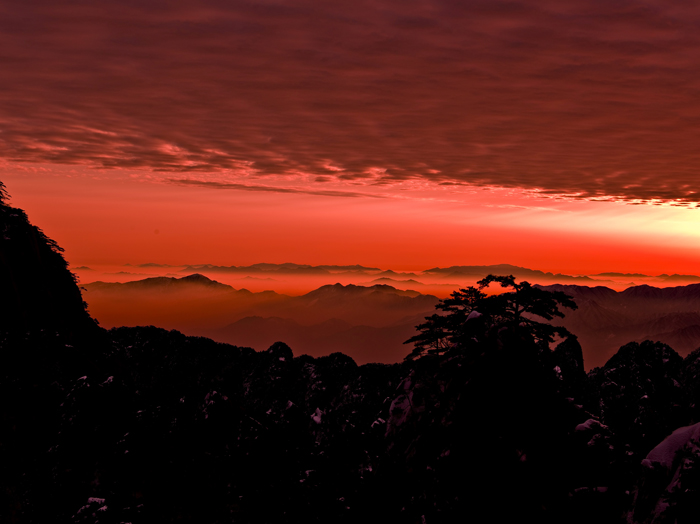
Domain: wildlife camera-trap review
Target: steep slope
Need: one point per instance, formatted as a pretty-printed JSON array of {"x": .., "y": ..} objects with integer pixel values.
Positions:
[
  {"x": 37, "y": 290},
  {"x": 638, "y": 394},
  {"x": 669, "y": 488}
]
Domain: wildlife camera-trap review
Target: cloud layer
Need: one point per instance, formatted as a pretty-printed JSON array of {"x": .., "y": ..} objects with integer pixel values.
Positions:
[
  {"x": 587, "y": 98},
  {"x": 269, "y": 189}
]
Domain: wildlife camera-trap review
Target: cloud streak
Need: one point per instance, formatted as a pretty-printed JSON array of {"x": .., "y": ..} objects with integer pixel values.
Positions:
[
  {"x": 588, "y": 99},
  {"x": 270, "y": 189}
]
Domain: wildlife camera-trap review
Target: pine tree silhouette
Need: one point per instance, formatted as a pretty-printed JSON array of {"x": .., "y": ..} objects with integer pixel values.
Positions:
[{"x": 470, "y": 316}]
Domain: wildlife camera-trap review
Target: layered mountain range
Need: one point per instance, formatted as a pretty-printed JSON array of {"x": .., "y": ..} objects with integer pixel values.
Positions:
[
  {"x": 298, "y": 279},
  {"x": 141, "y": 424},
  {"x": 466, "y": 272},
  {"x": 370, "y": 323},
  {"x": 606, "y": 319}
]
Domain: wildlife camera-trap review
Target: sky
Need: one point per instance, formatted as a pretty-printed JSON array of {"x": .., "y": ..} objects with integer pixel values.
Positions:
[{"x": 557, "y": 135}]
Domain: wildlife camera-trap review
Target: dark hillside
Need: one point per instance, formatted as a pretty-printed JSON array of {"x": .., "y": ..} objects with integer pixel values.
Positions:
[
  {"x": 146, "y": 425},
  {"x": 36, "y": 287}
]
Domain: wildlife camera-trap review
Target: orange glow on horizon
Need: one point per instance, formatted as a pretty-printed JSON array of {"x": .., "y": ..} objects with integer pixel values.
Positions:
[{"x": 114, "y": 220}]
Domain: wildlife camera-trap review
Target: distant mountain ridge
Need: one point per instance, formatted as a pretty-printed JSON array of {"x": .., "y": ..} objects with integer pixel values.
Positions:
[
  {"x": 351, "y": 290},
  {"x": 391, "y": 281},
  {"x": 607, "y": 319},
  {"x": 379, "y": 318},
  {"x": 163, "y": 283},
  {"x": 197, "y": 280},
  {"x": 294, "y": 278},
  {"x": 682, "y": 278},
  {"x": 504, "y": 269},
  {"x": 625, "y": 275},
  {"x": 664, "y": 277},
  {"x": 288, "y": 267}
]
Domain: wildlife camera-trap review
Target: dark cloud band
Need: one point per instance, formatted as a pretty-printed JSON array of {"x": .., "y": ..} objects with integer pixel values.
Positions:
[{"x": 591, "y": 99}]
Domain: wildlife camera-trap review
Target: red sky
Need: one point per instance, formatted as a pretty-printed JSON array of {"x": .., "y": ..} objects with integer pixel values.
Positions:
[{"x": 561, "y": 136}]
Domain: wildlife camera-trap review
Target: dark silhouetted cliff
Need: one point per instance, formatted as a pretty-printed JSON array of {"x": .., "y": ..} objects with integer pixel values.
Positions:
[
  {"x": 37, "y": 290},
  {"x": 146, "y": 425}
]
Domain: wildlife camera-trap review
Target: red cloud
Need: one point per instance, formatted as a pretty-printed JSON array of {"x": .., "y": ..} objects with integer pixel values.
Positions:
[{"x": 591, "y": 99}]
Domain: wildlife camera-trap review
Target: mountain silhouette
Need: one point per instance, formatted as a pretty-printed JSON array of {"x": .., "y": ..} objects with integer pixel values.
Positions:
[
  {"x": 286, "y": 269},
  {"x": 394, "y": 282},
  {"x": 470, "y": 272},
  {"x": 353, "y": 292},
  {"x": 142, "y": 424},
  {"x": 606, "y": 319},
  {"x": 203, "y": 307},
  {"x": 37, "y": 289},
  {"x": 682, "y": 278},
  {"x": 164, "y": 284}
]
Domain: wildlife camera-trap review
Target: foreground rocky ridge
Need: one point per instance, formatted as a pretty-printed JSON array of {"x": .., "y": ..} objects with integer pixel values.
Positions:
[
  {"x": 148, "y": 425},
  {"x": 157, "y": 426},
  {"x": 163, "y": 427}
]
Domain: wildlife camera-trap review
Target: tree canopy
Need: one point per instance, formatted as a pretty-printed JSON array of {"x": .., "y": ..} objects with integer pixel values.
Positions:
[{"x": 468, "y": 315}]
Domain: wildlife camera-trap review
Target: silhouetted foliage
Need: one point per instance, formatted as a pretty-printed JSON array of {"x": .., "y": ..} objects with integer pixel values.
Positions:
[
  {"x": 3, "y": 193},
  {"x": 37, "y": 289},
  {"x": 469, "y": 315},
  {"x": 146, "y": 425}
]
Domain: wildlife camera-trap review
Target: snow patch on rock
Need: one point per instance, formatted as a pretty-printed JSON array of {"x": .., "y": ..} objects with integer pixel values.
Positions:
[{"x": 665, "y": 453}]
